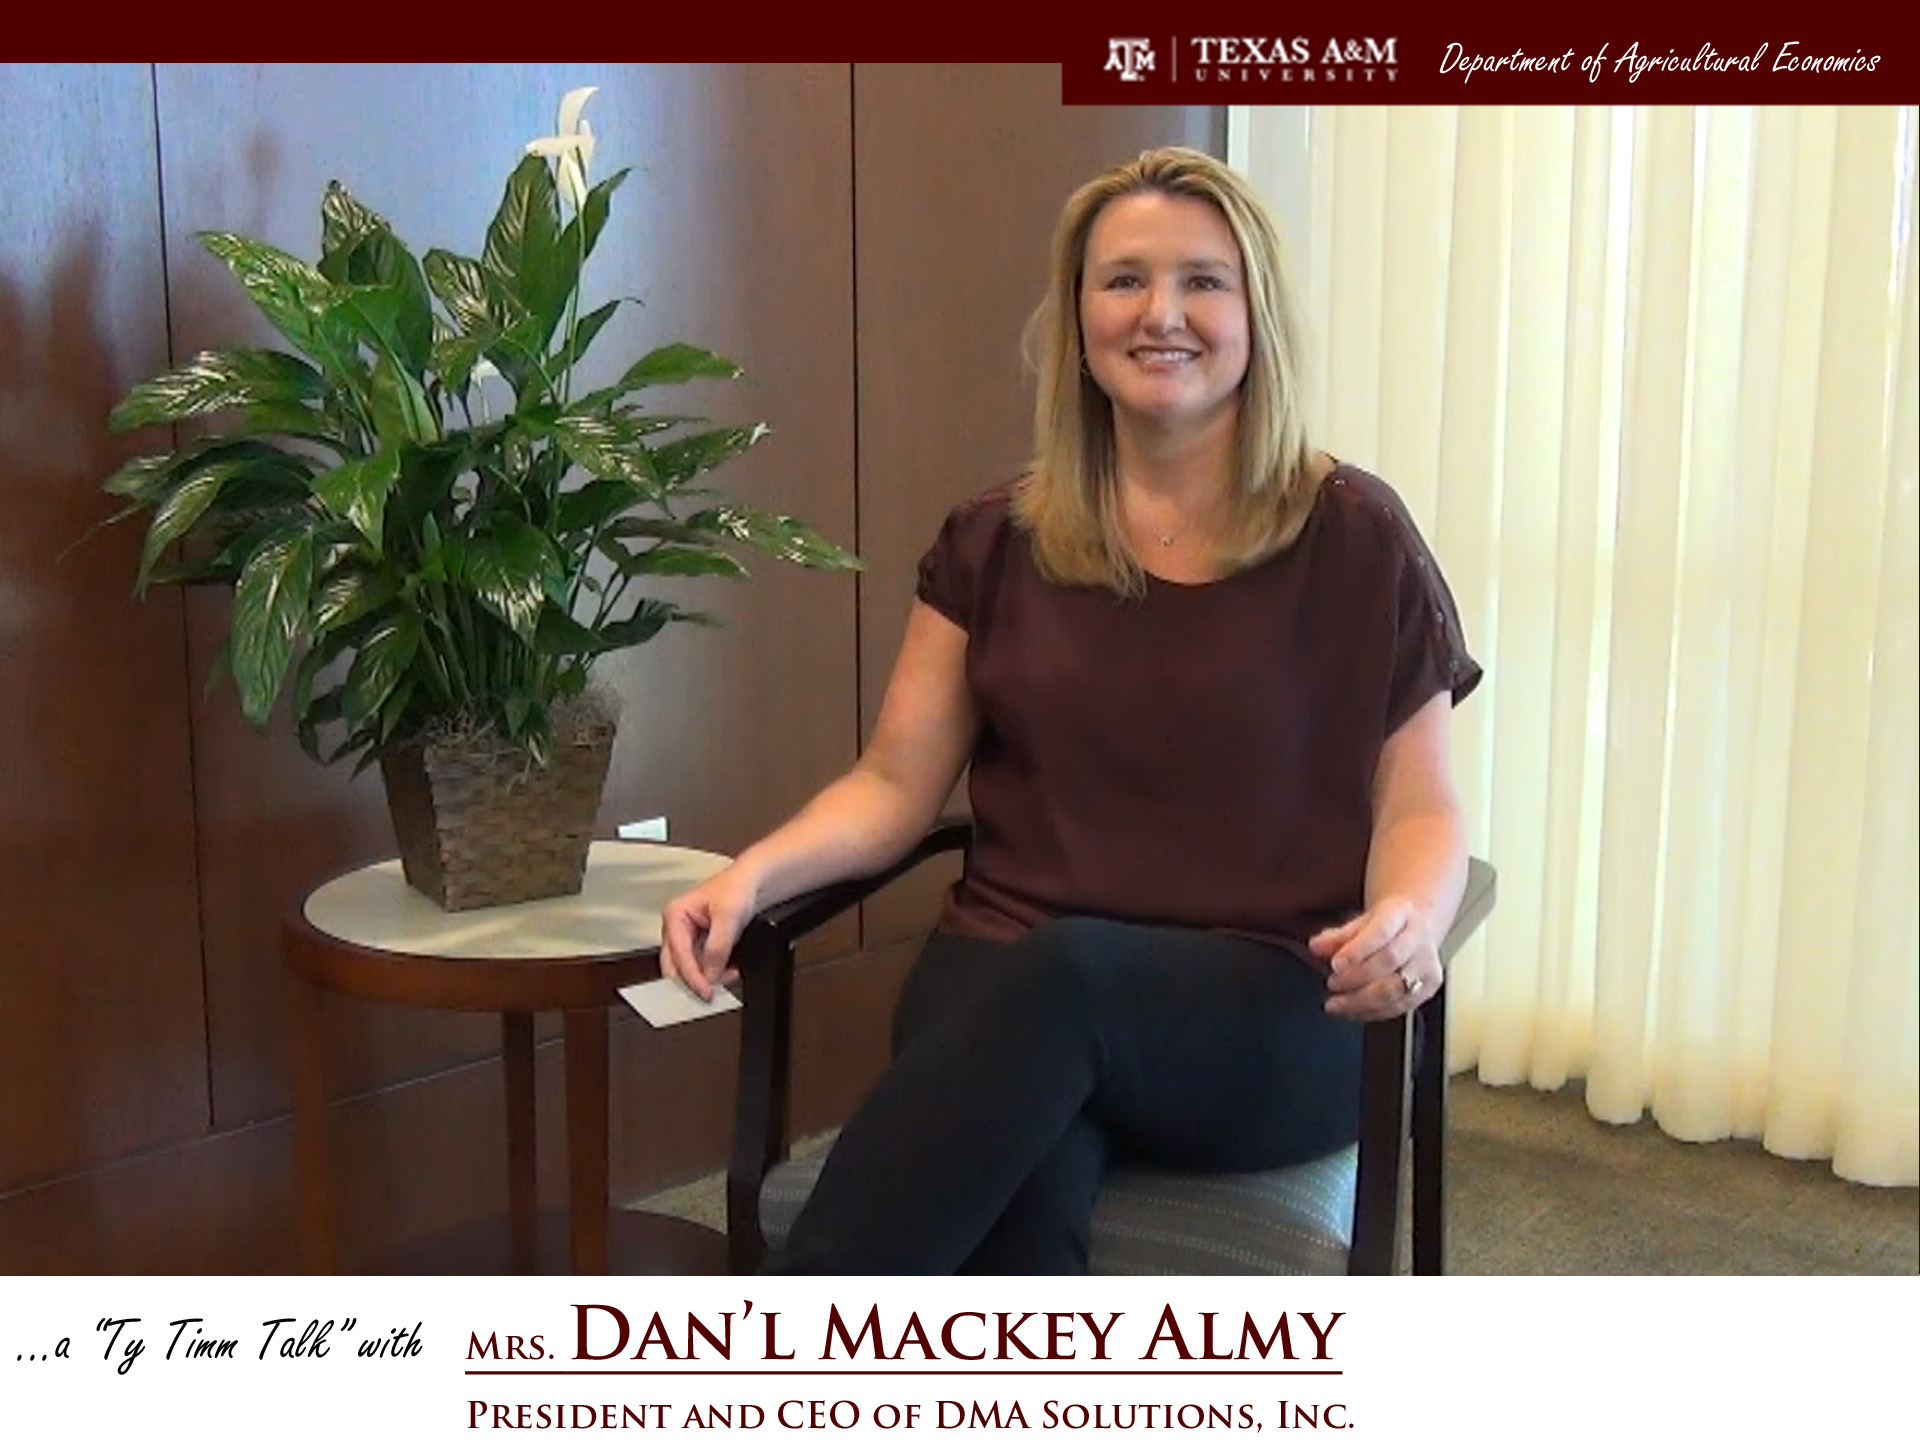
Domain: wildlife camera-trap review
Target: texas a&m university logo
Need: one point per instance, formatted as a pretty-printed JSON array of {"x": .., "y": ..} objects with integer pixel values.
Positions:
[{"x": 1132, "y": 58}]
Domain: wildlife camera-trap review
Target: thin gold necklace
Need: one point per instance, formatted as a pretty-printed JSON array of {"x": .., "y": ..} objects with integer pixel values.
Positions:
[{"x": 1168, "y": 538}]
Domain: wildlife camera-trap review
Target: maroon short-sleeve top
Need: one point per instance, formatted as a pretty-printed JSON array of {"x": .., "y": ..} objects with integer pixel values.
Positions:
[{"x": 1202, "y": 756}]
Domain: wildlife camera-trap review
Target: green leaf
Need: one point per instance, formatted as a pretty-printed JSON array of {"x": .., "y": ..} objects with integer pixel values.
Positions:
[
  {"x": 584, "y": 330},
  {"x": 310, "y": 715},
  {"x": 612, "y": 447},
  {"x": 360, "y": 743},
  {"x": 562, "y": 278},
  {"x": 371, "y": 312},
  {"x": 216, "y": 380},
  {"x": 349, "y": 594},
  {"x": 269, "y": 618},
  {"x": 682, "y": 560},
  {"x": 393, "y": 711},
  {"x": 683, "y": 459},
  {"x": 358, "y": 247},
  {"x": 382, "y": 318},
  {"x": 669, "y": 365},
  {"x": 180, "y": 511},
  {"x": 593, "y": 215},
  {"x": 344, "y": 223},
  {"x": 625, "y": 427},
  {"x": 780, "y": 536},
  {"x": 558, "y": 633},
  {"x": 517, "y": 352},
  {"x": 256, "y": 496},
  {"x": 358, "y": 491},
  {"x": 143, "y": 480},
  {"x": 401, "y": 411},
  {"x": 631, "y": 527},
  {"x": 379, "y": 664},
  {"x": 428, "y": 475},
  {"x": 647, "y": 621},
  {"x": 675, "y": 364},
  {"x": 292, "y": 294},
  {"x": 508, "y": 570},
  {"x": 489, "y": 312},
  {"x": 433, "y": 562},
  {"x": 311, "y": 710},
  {"x": 592, "y": 505},
  {"x": 461, "y": 286},
  {"x": 523, "y": 245},
  {"x": 232, "y": 547},
  {"x": 286, "y": 421},
  {"x": 453, "y": 360},
  {"x": 148, "y": 478}
]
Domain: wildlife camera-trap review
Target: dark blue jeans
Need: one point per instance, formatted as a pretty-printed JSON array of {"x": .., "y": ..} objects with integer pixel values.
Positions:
[{"x": 1021, "y": 1070}]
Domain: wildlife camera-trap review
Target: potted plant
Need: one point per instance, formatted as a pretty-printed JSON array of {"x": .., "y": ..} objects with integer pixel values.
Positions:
[{"x": 431, "y": 531}]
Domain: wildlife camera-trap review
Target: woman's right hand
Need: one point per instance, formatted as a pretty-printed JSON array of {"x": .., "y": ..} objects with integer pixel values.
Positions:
[
  {"x": 698, "y": 929},
  {"x": 862, "y": 822}
]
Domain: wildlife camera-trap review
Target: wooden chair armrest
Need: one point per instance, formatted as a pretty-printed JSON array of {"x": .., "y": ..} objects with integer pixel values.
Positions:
[
  {"x": 764, "y": 956},
  {"x": 1403, "y": 1092},
  {"x": 804, "y": 914}
]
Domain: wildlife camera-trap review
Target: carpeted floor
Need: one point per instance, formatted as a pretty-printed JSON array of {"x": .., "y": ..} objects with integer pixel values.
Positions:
[{"x": 1536, "y": 1186}]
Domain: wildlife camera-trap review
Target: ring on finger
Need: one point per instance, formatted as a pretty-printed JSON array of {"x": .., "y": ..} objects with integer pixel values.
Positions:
[{"x": 1412, "y": 981}]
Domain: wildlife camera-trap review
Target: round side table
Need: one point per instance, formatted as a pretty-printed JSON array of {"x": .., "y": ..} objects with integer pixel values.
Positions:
[{"x": 368, "y": 935}]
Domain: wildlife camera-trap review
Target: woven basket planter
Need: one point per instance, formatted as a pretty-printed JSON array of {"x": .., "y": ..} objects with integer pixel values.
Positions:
[{"x": 479, "y": 823}]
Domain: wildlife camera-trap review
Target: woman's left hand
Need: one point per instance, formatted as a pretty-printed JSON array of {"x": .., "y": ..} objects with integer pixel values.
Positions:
[{"x": 1383, "y": 962}]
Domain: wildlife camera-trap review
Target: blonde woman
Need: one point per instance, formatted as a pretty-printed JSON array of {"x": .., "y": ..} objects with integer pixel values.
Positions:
[{"x": 1203, "y": 676}]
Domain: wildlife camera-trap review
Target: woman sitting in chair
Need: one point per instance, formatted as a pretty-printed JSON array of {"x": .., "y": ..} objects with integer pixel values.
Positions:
[{"x": 1202, "y": 674}]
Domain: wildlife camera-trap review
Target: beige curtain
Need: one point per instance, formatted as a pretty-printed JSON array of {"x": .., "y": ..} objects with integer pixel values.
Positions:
[{"x": 1647, "y": 379}]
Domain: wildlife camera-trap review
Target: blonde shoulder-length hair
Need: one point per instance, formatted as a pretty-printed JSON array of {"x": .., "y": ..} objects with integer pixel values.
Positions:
[{"x": 1068, "y": 501}]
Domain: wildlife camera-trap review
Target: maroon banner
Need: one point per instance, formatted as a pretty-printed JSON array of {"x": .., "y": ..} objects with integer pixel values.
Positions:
[{"x": 1478, "y": 61}]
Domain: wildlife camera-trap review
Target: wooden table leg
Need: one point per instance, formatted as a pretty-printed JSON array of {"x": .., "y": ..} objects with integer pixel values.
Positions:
[
  {"x": 586, "y": 1042},
  {"x": 523, "y": 1146},
  {"x": 313, "y": 1170}
]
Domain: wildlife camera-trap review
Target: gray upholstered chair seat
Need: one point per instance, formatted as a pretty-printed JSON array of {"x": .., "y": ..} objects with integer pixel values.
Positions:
[{"x": 1296, "y": 1221}]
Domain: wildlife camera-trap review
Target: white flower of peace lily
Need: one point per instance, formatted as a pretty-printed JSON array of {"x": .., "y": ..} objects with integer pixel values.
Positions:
[
  {"x": 483, "y": 371},
  {"x": 571, "y": 147}
]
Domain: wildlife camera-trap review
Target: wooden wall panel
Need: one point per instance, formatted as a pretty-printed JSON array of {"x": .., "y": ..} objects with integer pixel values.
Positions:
[
  {"x": 423, "y": 1161},
  {"x": 146, "y": 1123},
  {"x": 102, "y": 1046},
  {"x": 734, "y": 232},
  {"x": 960, "y": 171}
]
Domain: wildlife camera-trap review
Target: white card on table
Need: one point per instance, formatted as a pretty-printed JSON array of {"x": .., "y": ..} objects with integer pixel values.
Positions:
[{"x": 668, "y": 1002}]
